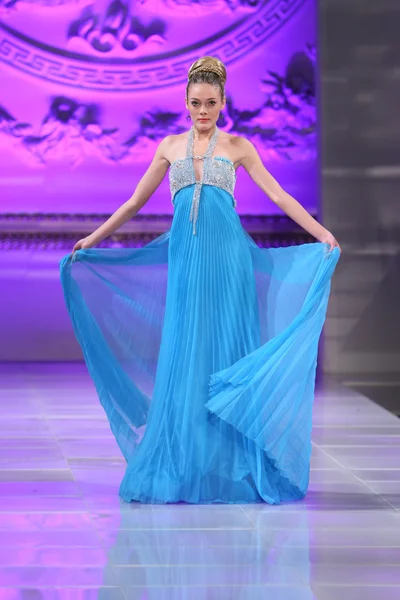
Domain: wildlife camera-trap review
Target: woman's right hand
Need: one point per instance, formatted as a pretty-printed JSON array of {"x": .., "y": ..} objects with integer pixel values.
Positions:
[{"x": 82, "y": 244}]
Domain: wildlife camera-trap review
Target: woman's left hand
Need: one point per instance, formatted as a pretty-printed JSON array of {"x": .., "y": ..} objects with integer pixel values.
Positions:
[{"x": 328, "y": 238}]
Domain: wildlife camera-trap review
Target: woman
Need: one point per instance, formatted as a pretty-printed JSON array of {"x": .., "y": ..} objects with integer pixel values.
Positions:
[{"x": 201, "y": 345}]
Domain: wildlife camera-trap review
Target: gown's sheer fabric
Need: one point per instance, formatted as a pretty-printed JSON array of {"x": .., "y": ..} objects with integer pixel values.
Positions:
[{"x": 203, "y": 351}]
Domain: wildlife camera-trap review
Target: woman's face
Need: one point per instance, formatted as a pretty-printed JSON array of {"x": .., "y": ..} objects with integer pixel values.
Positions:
[{"x": 204, "y": 103}]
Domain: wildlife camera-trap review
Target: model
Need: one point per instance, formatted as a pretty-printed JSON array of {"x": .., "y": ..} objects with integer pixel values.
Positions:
[{"x": 203, "y": 346}]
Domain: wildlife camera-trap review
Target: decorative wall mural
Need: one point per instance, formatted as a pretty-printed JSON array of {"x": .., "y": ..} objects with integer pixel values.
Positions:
[
  {"x": 244, "y": 28},
  {"x": 89, "y": 88},
  {"x": 196, "y": 6},
  {"x": 117, "y": 29},
  {"x": 283, "y": 125}
]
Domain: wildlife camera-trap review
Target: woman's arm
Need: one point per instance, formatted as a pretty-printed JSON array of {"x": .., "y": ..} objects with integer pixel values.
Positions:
[
  {"x": 252, "y": 162},
  {"x": 145, "y": 188}
]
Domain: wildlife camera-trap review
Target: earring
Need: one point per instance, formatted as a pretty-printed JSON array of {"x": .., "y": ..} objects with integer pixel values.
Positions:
[
  {"x": 188, "y": 117},
  {"x": 221, "y": 119}
]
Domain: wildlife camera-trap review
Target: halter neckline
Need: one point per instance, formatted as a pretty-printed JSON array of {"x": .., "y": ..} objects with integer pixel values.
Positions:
[
  {"x": 210, "y": 147},
  {"x": 194, "y": 211}
]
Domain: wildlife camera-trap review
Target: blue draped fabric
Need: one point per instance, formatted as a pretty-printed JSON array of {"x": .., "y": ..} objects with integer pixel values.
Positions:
[{"x": 203, "y": 350}]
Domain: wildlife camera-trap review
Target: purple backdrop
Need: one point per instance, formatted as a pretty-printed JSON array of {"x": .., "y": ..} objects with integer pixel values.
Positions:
[{"x": 89, "y": 88}]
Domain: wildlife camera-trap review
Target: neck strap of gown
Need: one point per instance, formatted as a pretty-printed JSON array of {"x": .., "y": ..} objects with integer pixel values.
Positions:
[
  {"x": 194, "y": 211},
  {"x": 211, "y": 144}
]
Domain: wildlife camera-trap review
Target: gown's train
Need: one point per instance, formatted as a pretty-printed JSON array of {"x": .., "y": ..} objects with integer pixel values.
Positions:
[{"x": 203, "y": 349}]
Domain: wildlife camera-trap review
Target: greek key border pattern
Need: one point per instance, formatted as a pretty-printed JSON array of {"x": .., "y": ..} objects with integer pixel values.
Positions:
[{"x": 106, "y": 75}]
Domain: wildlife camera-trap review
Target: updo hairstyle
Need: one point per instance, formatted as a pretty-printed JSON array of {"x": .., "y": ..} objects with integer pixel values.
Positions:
[{"x": 207, "y": 69}]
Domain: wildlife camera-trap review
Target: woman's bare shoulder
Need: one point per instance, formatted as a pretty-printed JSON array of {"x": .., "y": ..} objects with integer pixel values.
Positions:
[
  {"x": 237, "y": 146},
  {"x": 237, "y": 141},
  {"x": 173, "y": 137},
  {"x": 171, "y": 145}
]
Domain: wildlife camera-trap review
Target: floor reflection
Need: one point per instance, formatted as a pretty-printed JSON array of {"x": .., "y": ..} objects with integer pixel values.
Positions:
[
  {"x": 66, "y": 535},
  {"x": 181, "y": 551}
]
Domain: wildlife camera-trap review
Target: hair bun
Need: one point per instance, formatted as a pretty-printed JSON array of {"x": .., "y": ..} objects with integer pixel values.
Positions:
[{"x": 208, "y": 64}]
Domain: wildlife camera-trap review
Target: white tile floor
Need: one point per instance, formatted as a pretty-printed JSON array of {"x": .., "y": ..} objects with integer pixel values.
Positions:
[{"x": 65, "y": 534}]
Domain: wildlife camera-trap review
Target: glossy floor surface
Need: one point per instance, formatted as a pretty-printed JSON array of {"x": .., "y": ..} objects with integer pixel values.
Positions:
[{"x": 65, "y": 534}]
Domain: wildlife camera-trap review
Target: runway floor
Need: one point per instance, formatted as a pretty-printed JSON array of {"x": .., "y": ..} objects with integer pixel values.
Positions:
[{"x": 65, "y": 534}]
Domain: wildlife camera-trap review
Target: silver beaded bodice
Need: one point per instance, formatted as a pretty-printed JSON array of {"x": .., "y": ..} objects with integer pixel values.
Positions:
[{"x": 217, "y": 170}]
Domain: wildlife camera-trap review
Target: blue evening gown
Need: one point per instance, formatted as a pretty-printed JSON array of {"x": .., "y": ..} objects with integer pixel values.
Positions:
[{"x": 203, "y": 348}]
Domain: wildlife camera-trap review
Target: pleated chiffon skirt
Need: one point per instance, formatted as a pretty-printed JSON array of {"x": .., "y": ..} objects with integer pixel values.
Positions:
[{"x": 203, "y": 351}]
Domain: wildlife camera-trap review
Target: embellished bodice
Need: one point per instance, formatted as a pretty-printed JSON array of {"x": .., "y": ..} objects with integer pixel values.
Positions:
[{"x": 218, "y": 171}]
